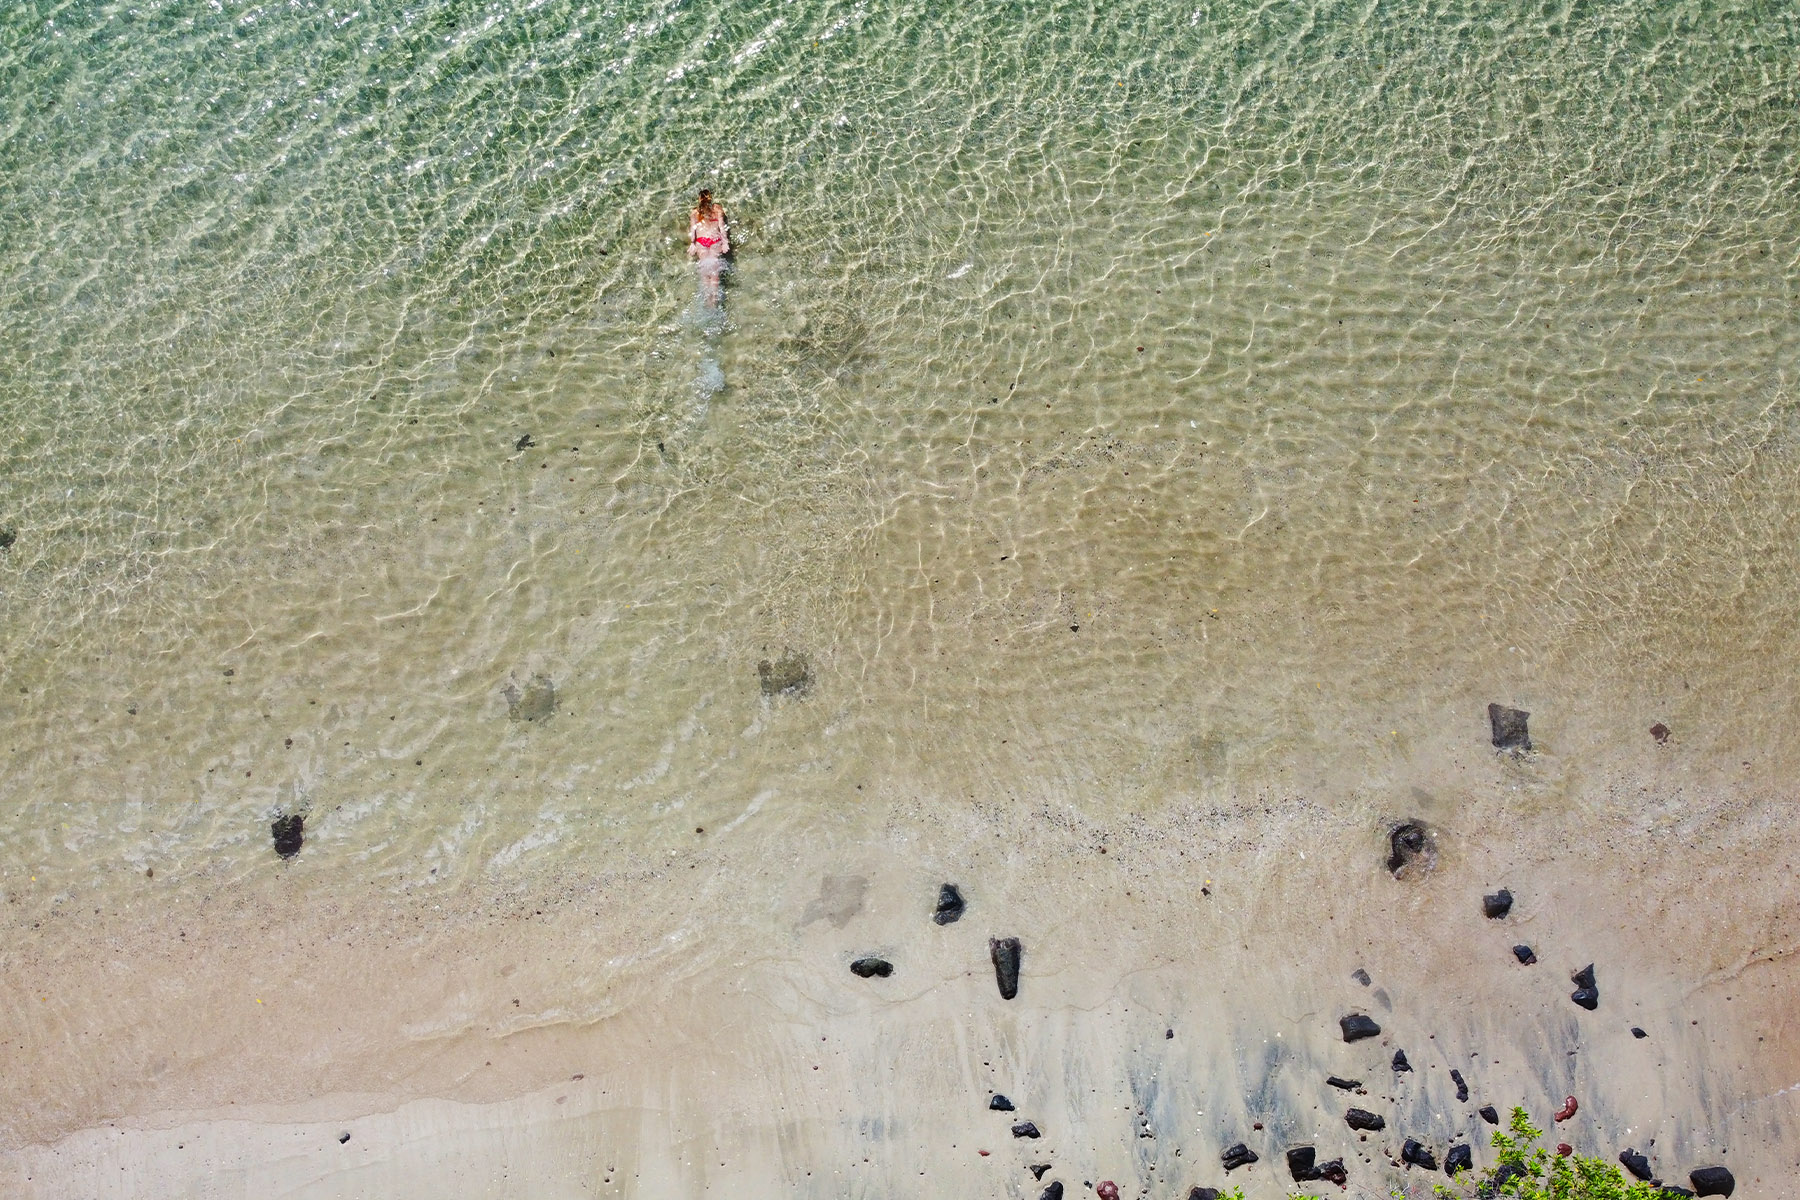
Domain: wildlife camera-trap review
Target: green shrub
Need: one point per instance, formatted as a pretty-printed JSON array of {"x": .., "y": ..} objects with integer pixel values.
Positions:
[{"x": 1527, "y": 1171}]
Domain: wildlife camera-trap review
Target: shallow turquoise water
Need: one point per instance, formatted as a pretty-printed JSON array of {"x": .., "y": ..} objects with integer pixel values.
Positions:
[{"x": 1181, "y": 393}]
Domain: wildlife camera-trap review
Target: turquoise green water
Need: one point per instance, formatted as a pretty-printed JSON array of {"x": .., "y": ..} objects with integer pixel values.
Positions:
[{"x": 1122, "y": 403}]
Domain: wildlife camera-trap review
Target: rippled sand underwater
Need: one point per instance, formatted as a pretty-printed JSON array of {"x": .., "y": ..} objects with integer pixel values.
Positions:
[{"x": 1120, "y": 407}]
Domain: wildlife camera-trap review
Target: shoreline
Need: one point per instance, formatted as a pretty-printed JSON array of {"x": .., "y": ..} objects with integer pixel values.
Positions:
[{"x": 699, "y": 1036}]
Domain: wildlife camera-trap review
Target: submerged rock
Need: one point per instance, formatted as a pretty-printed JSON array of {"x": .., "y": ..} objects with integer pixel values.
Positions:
[
  {"x": 1712, "y": 1181},
  {"x": 289, "y": 833},
  {"x": 1460, "y": 1158},
  {"x": 1368, "y": 1122},
  {"x": 1509, "y": 728},
  {"x": 536, "y": 701},
  {"x": 1300, "y": 1163},
  {"x": 1462, "y": 1089},
  {"x": 1025, "y": 1129},
  {"x": 1361, "y": 976},
  {"x": 1524, "y": 954},
  {"x": 1410, "y": 849},
  {"x": 8, "y": 536},
  {"x": 872, "y": 968},
  {"x": 1349, "y": 1085},
  {"x": 1496, "y": 905},
  {"x": 1357, "y": 1026},
  {"x": 789, "y": 675},
  {"x": 1006, "y": 953},
  {"x": 1236, "y": 1156},
  {"x": 1000, "y": 1103},
  {"x": 950, "y": 905},
  {"x": 1636, "y": 1163},
  {"x": 1400, "y": 1063},
  {"x": 1415, "y": 1155}
]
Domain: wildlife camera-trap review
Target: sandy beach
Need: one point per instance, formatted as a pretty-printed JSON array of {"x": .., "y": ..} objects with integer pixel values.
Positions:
[{"x": 639, "y": 1033}]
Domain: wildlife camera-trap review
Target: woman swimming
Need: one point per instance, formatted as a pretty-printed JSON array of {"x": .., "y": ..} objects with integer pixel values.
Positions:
[{"x": 709, "y": 243}]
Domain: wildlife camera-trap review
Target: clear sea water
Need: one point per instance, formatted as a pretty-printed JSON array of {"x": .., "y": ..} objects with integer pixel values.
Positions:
[{"x": 1118, "y": 406}]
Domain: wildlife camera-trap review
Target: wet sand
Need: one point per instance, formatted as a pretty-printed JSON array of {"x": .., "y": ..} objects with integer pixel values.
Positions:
[{"x": 692, "y": 1026}]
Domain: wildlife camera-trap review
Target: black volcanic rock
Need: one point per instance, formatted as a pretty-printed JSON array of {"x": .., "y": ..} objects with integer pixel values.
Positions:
[
  {"x": 1525, "y": 955},
  {"x": 1349, "y": 1085},
  {"x": 1006, "y": 953},
  {"x": 950, "y": 905},
  {"x": 1414, "y": 1154},
  {"x": 1496, "y": 905},
  {"x": 1508, "y": 726},
  {"x": 1488, "y": 1114},
  {"x": 1400, "y": 1063},
  {"x": 1038, "y": 1169},
  {"x": 1462, "y": 1089},
  {"x": 1000, "y": 1103},
  {"x": 1460, "y": 1158},
  {"x": 872, "y": 968},
  {"x": 1712, "y": 1181},
  {"x": 1053, "y": 1192},
  {"x": 1587, "y": 992},
  {"x": 1237, "y": 1156},
  {"x": 1356, "y": 1027},
  {"x": 1300, "y": 1163},
  {"x": 289, "y": 833},
  {"x": 1408, "y": 842},
  {"x": 1201, "y": 1193},
  {"x": 1638, "y": 1033},
  {"x": 1636, "y": 1163},
  {"x": 1357, "y": 1118},
  {"x": 1496, "y": 1181},
  {"x": 1334, "y": 1171},
  {"x": 1361, "y": 976},
  {"x": 1025, "y": 1129}
]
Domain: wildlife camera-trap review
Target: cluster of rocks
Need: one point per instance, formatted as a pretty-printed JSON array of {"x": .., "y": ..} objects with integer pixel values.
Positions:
[
  {"x": 1407, "y": 843},
  {"x": 1303, "y": 1163},
  {"x": 1007, "y": 953}
]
